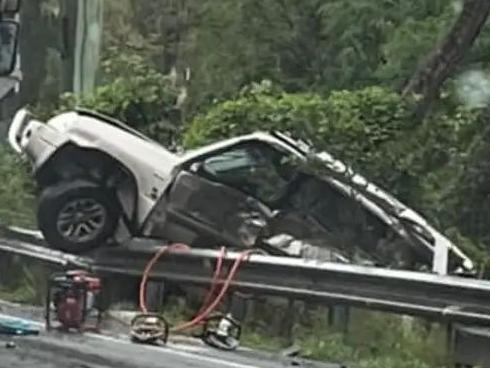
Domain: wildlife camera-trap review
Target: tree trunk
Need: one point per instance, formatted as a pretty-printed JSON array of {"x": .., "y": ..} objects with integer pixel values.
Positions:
[{"x": 429, "y": 77}]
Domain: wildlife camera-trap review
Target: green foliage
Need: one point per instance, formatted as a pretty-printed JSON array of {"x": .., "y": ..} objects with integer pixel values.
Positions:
[
  {"x": 374, "y": 113},
  {"x": 16, "y": 199},
  {"x": 426, "y": 159},
  {"x": 23, "y": 281},
  {"x": 437, "y": 167},
  {"x": 471, "y": 192},
  {"x": 303, "y": 46},
  {"x": 411, "y": 39},
  {"x": 311, "y": 45},
  {"x": 136, "y": 93},
  {"x": 333, "y": 65},
  {"x": 308, "y": 49},
  {"x": 358, "y": 126},
  {"x": 375, "y": 340},
  {"x": 257, "y": 108}
]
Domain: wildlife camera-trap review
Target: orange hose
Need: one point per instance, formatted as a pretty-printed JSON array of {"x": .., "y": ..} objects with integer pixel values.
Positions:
[
  {"x": 214, "y": 282},
  {"x": 204, "y": 311},
  {"x": 218, "y": 299},
  {"x": 149, "y": 266}
]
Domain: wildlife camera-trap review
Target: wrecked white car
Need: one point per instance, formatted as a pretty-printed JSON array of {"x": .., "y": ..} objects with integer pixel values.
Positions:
[{"x": 101, "y": 180}]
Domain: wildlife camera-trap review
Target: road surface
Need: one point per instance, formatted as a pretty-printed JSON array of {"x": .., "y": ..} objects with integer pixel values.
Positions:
[{"x": 58, "y": 350}]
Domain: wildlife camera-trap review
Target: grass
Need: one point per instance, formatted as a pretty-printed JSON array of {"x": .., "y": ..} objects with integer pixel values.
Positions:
[
  {"x": 23, "y": 295},
  {"x": 373, "y": 340},
  {"x": 23, "y": 282},
  {"x": 16, "y": 193}
]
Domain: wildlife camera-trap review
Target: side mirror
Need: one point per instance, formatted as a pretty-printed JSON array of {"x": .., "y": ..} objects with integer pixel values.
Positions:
[
  {"x": 196, "y": 167},
  {"x": 9, "y": 35},
  {"x": 9, "y": 6}
]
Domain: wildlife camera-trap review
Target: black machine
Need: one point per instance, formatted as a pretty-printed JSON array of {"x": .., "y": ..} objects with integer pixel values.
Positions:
[
  {"x": 149, "y": 329},
  {"x": 73, "y": 301},
  {"x": 222, "y": 331}
]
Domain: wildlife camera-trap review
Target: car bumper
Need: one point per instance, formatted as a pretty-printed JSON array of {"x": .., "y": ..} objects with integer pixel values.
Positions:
[{"x": 37, "y": 140}]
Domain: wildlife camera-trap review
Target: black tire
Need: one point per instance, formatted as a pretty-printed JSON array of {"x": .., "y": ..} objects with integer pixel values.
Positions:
[{"x": 55, "y": 201}]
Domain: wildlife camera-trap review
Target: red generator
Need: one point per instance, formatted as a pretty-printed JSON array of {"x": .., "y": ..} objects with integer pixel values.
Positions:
[{"x": 73, "y": 301}]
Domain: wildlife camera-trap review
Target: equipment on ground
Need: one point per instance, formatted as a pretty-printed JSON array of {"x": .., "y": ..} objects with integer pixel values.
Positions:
[
  {"x": 222, "y": 332},
  {"x": 149, "y": 329},
  {"x": 17, "y": 326},
  {"x": 73, "y": 301}
]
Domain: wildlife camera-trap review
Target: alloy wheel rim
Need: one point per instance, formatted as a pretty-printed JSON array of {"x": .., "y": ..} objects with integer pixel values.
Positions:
[{"x": 81, "y": 220}]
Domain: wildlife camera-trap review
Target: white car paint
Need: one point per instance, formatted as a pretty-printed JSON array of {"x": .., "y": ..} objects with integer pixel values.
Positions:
[
  {"x": 150, "y": 163},
  {"x": 154, "y": 166}
]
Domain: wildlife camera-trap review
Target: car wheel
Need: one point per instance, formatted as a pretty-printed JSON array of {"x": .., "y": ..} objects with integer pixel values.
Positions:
[{"x": 77, "y": 216}]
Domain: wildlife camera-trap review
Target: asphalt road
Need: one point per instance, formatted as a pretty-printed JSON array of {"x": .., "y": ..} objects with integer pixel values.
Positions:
[{"x": 57, "y": 350}]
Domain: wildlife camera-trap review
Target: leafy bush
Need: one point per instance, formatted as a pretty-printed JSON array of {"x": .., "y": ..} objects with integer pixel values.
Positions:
[
  {"x": 23, "y": 281},
  {"x": 353, "y": 125},
  {"x": 363, "y": 127},
  {"x": 16, "y": 199},
  {"x": 469, "y": 197},
  {"x": 425, "y": 164},
  {"x": 136, "y": 93},
  {"x": 373, "y": 340},
  {"x": 371, "y": 129}
]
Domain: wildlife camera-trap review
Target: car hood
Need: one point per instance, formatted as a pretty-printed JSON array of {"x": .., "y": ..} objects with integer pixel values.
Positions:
[{"x": 115, "y": 138}]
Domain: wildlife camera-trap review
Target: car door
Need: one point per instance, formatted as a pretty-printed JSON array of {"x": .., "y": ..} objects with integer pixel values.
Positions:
[{"x": 222, "y": 198}]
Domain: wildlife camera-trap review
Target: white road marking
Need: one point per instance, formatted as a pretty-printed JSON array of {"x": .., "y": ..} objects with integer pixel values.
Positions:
[{"x": 182, "y": 352}]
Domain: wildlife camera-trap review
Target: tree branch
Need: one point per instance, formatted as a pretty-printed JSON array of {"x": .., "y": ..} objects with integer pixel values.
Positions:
[{"x": 441, "y": 62}]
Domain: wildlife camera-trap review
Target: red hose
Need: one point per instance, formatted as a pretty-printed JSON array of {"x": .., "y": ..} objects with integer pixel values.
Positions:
[
  {"x": 204, "y": 311},
  {"x": 149, "y": 266},
  {"x": 219, "y": 298},
  {"x": 214, "y": 282}
]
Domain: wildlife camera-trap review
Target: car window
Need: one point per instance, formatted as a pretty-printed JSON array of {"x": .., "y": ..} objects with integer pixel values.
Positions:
[
  {"x": 229, "y": 163},
  {"x": 256, "y": 169}
]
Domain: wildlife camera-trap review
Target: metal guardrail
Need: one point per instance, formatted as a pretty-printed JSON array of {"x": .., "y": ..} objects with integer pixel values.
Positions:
[
  {"x": 445, "y": 298},
  {"x": 43, "y": 253}
]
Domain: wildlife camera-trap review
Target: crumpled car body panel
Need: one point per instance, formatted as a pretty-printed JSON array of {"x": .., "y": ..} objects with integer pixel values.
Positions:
[{"x": 203, "y": 197}]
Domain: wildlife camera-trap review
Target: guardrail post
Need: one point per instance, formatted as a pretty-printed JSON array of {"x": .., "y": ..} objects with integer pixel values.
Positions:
[
  {"x": 155, "y": 294},
  {"x": 238, "y": 305},
  {"x": 338, "y": 318},
  {"x": 289, "y": 322},
  {"x": 471, "y": 347},
  {"x": 118, "y": 290}
]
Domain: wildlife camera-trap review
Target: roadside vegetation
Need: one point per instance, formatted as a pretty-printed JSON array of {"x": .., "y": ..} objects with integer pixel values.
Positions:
[
  {"x": 196, "y": 72},
  {"x": 16, "y": 196},
  {"x": 22, "y": 282},
  {"x": 371, "y": 340}
]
